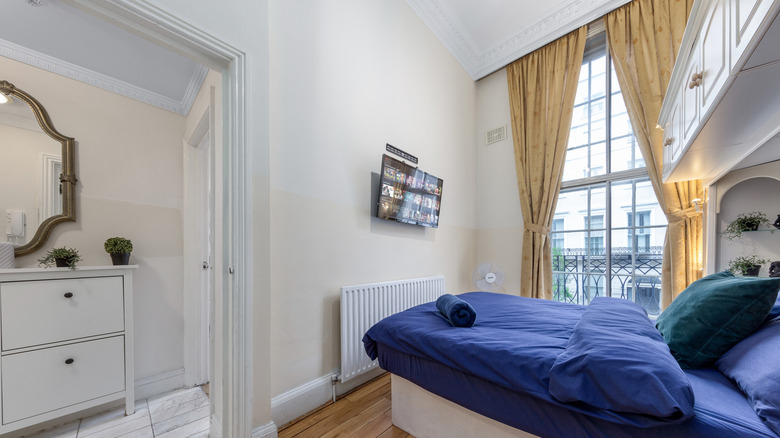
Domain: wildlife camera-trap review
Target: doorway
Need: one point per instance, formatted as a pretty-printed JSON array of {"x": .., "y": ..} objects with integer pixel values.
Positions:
[{"x": 231, "y": 352}]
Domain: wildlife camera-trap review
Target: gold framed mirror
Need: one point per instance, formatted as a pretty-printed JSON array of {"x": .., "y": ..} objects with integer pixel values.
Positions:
[{"x": 56, "y": 201}]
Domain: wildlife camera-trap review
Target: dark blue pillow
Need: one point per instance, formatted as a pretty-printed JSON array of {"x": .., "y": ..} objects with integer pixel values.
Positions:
[
  {"x": 754, "y": 363},
  {"x": 775, "y": 312},
  {"x": 713, "y": 314}
]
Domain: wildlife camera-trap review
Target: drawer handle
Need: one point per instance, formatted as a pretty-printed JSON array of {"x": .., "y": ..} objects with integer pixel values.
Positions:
[
  {"x": 668, "y": 141},
  {"x": 69, "y": 361},
  {"x": 68, "y": 295}
]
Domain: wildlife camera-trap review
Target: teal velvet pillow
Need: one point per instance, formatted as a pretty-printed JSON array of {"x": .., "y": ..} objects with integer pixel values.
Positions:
[{"x": 713, "y": 314}]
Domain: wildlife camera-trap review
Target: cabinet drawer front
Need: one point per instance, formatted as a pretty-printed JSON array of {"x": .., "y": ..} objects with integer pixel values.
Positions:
[
  {"x": 40, "y": 312},
  {"x": 40, "y": 381}
]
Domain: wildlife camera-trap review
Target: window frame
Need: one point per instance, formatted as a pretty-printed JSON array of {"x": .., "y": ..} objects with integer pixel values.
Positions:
[{"x": 597, "y": 46}]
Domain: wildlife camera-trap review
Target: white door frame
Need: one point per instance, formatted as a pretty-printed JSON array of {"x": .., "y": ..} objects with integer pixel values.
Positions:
[
  {"x": 198, "y": 149},
  {"x": 233, "y": 258}
]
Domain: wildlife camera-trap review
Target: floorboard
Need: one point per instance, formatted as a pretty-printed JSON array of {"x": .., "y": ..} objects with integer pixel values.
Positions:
[{"x": 363, "y": 413}]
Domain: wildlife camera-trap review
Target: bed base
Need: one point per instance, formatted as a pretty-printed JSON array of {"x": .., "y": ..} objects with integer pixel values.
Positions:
[{"x": 426, "y": 415}]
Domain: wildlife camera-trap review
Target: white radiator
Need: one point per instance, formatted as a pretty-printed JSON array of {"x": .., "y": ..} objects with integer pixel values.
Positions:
[{"x": 364, "y": 305}]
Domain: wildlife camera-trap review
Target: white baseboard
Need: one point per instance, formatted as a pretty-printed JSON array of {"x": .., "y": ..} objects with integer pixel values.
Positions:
[
  {"x": 305, "y": 398},
  {"x": 159, "y": 383},
  {"x": 299, "y": 401},
  {"x": 267, "y": 431}
]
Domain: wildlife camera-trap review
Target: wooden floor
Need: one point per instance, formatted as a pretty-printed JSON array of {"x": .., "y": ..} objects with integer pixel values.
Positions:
[{"x": 363, "y": 413}]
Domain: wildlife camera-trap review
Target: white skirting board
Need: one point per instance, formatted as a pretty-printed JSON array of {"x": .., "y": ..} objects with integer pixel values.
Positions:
[
  {"x": 159, "y": 383},
  {"x": 426, "y": 415},
  {"x": 267, "y": 431},
  {"x": 299, "y": 401}
]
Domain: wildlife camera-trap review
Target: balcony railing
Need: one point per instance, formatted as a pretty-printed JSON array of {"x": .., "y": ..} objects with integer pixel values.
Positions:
[{"x": 579, "y": 275}]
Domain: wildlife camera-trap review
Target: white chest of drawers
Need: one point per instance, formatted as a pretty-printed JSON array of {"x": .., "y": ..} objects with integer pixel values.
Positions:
[{"x": 66, "y": 342}]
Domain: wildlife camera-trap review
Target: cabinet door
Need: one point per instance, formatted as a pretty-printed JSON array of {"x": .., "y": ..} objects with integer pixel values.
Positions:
[
  {"x": 690, "y": 98},
  {"x": 672, "y": 139},
  {"x": 746, "y": 17},
  {"x": 714, "y": 44}
]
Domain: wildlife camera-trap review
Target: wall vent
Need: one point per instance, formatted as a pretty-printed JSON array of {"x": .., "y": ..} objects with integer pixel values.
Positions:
[{"x": 496, "y": 135}]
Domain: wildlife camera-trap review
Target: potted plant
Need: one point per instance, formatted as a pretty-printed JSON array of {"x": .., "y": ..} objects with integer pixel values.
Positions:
[
  {"x": 119, "y": 249},
  {"x": 745, "y": 222},
  {"x": 62, "y": 257},
  {"x": 747, "y": 265}
]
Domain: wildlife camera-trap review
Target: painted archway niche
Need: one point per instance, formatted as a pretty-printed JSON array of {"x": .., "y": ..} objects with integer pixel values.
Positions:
[{"x": 748, "y": 190}]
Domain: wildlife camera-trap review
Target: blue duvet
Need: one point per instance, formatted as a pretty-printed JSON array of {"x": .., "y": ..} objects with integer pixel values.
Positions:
[{"x": 605, "y": 360}]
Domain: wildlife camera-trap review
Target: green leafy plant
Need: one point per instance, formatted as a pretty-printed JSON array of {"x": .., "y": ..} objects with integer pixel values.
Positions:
[
  {"x": 745, "y": 264},
  {"x": 118, "y": 245},
  {"x": 745, "y": 222},
  {"x": 64, "y": 255}
]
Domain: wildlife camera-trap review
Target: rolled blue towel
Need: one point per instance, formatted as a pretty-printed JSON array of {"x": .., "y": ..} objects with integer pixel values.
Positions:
[{"x": 456, "y": 311}]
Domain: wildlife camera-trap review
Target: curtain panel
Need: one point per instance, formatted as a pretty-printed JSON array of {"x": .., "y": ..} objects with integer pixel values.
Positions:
[
  {"x": 542, "y": 88},
  {"x": 644, "y": 37}
]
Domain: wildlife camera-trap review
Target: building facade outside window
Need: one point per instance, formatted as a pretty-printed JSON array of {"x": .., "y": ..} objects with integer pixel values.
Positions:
[
  {"x": 557, "y": 240},
  {"x": 608, "y": 229}
]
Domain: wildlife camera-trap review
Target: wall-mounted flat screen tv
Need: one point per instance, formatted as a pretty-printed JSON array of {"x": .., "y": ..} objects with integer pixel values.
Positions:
[{"x": 408, "y": 195}]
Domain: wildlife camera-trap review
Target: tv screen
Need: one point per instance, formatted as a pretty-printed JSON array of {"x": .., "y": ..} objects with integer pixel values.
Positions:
[{"x": 407, "y": 194}]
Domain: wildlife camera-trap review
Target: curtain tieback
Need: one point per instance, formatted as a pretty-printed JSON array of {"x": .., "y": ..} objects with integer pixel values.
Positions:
[
  {"x": 537, "y": 228},
  {"x": 683, "y": 214}
]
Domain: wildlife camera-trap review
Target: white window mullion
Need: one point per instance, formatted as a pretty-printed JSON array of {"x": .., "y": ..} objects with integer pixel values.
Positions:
[
  {"x": 634, "y": 239},
  {"x": 608, "y": 167},
  {"x": 608, "y": 238}
]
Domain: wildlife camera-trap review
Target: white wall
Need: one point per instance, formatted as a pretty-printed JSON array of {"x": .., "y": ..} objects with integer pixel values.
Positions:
[
  {"x": 346, "y": 78},
  {"x": 500, "y": 220},
  {"x": 128, "y": 163}
]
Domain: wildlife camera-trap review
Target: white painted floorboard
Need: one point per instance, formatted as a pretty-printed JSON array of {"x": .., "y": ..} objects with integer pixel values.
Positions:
[{"x": 177, "y": 414}]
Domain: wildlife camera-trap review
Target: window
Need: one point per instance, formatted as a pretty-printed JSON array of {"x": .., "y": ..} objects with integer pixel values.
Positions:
[
  {"x": 595, "y": 239},
  {"x": 638, "y": 236},
  {"x": 615, "y": 248},
  {"x": 557, "y": 240}
]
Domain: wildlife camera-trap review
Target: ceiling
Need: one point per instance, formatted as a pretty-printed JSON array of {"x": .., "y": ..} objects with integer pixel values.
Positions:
[
  {"x": 67, "y": 41},
  {"x": 486, "y": 35},
  {"x": 483, "y": 36}
]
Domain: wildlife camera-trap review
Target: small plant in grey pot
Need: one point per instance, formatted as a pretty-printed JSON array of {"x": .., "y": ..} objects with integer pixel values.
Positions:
[
  {"x": 747, "y": 265},
  {"x": 119, "y": 249},
  {"x": 62, "y": 257},
  {"x": 745, "y": 222}
]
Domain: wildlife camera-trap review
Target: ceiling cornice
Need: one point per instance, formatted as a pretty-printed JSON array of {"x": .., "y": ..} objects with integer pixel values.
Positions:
[
  {"x": 479, "y": 63},
  {"x": 89, "y": 77}
]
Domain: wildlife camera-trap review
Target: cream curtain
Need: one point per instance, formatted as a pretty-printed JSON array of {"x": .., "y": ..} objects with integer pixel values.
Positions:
[
  {"x": 644, "y": 37},
  {"x": 542, "y": 87}
]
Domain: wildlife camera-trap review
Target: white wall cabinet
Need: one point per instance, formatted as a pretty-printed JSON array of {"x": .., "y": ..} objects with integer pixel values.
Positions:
[
  {"x": 719, "y": 123},
  {"x": 67, "y": 342},
  {"x": 746, "y": 17}
]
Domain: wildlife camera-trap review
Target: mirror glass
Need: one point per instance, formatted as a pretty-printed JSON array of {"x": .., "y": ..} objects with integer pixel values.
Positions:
[{"x": 32, "y": 198}]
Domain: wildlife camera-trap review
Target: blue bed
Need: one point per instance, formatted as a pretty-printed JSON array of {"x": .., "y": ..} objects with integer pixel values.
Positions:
[{"x": 562, "y": 370}]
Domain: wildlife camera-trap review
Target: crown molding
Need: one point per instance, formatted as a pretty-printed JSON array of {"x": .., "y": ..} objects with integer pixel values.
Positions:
[
  {"x": 30, "y": 124},
  {"x": 559, "y": 21},
  {"x": 95, "y": 79}
]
